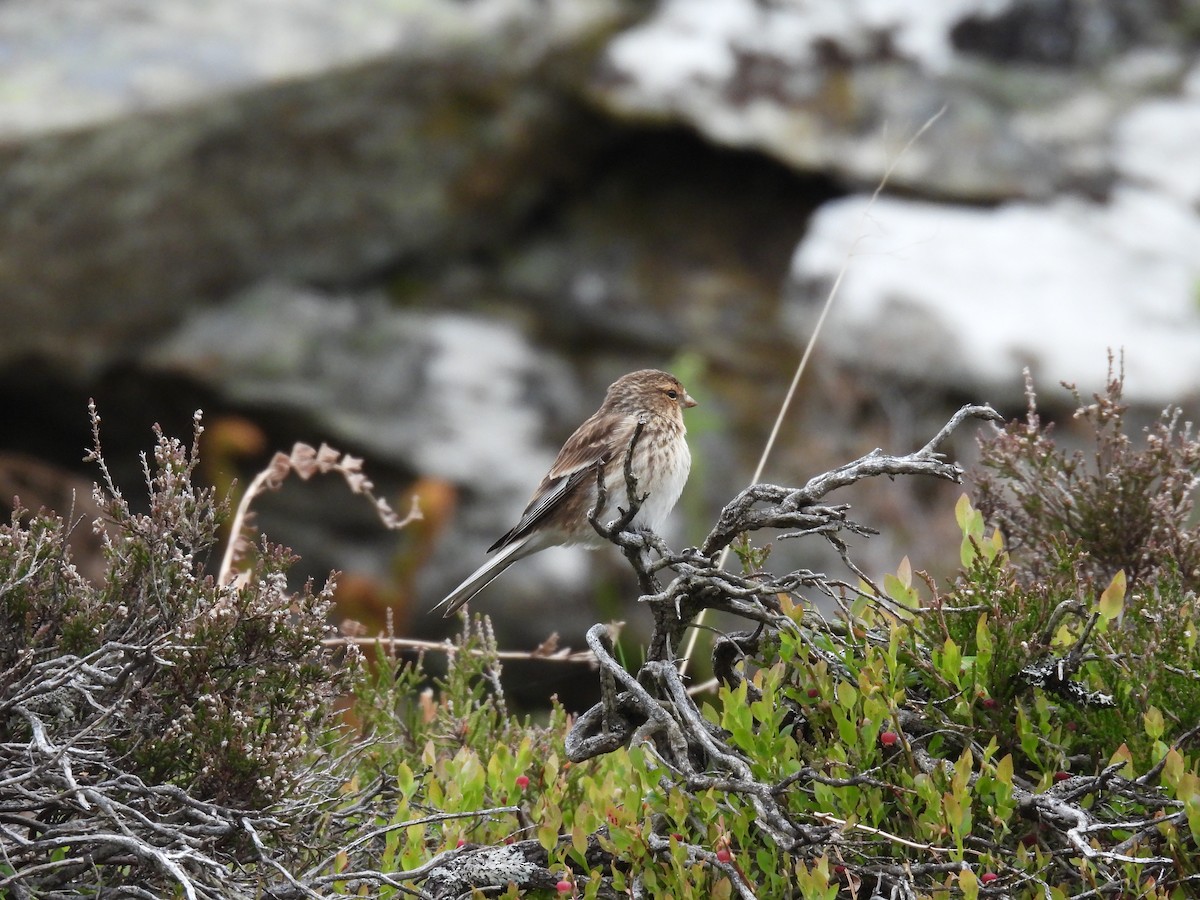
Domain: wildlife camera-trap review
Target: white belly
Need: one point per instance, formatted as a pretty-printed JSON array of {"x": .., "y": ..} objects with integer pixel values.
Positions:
[{"x": 664, "y": 485}]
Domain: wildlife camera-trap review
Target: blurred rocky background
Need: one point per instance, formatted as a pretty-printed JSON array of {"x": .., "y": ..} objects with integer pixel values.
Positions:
[{"x": 432, "y": 232}]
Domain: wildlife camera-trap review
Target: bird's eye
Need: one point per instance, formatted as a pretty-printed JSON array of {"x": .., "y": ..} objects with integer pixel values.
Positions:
[{"x": 672, "y": 393}]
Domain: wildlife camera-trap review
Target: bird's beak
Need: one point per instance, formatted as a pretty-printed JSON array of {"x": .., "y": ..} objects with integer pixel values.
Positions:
[{"x": 688, "y": 402}]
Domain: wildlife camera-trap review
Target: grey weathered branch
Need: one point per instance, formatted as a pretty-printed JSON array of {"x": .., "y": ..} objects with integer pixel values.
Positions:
[
  {"x": 797, "y": 507},
  {"x": 104, "y": 816}
]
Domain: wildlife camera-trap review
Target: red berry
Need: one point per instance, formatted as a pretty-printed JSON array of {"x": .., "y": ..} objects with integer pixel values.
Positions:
[
  {"x": 814, "y": 693},
  {"x": 839, "y": 870},
  {"x": 988, "y": 877},
  {"x": 675, "y": 835},
  {"x": 1030, "y": 840},
  {"x": 723, "y": 855},
  {"x": 522, "y": 781},
  {"x": 888, "y": 738},
  {"x": 565, "y": 887},
  {"x": 461, "y": 843},
  {"x": 989, "y": 703},
  {"x": 1061, "y": 776}
]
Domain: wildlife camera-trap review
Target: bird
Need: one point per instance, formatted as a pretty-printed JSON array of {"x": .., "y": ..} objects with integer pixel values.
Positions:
[{"x": 557, "y": 514}]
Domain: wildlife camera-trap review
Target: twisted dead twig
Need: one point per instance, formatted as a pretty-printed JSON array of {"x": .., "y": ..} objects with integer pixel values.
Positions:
[
  {"x": 784, "y": 407},
  {"x": 700, "y": 583},
  {"x": 1062, "y": 804},
  {"x": 796, "y": 507}
]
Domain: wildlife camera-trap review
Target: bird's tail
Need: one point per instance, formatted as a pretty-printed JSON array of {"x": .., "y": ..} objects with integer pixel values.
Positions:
[{"x": 482, "y": 577}]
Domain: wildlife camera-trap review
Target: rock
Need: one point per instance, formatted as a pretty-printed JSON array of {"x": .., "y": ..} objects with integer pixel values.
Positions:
[
  {"x": 416, "y": 389},
  {"x": 677, "y": 245},
  {"x": 840, "y": 87},
  {"x": 157, "y": 155},
  {"x": 1067, "y": 119},
  {"x": 1061, "y": 33},
  {"x": 1155, "y": 144},
  {"x": 964, "y": 298},
  {"x": 432, "y": 393},
  {"x": 441, "y": 395}
]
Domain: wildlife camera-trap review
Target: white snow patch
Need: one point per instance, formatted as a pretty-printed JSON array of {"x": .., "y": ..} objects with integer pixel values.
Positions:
[
  {"x": 948, "y": 293},
  {"x": 688, "y": 45},
  {"x": 1158, "y": 143}
]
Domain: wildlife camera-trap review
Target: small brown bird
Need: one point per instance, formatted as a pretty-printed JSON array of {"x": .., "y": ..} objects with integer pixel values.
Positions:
[{"x": 557, "y": 514}]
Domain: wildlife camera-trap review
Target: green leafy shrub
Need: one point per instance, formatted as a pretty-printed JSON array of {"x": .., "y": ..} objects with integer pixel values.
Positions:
[{"x": 1025, "y": 730}]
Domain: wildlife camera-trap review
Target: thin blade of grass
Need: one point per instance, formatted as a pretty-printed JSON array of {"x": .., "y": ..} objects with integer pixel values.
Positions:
[{"x": 803, "y": 364}]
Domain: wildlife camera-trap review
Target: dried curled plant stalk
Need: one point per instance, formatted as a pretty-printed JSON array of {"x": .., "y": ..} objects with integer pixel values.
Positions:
[{"x": 305, "y": 461}]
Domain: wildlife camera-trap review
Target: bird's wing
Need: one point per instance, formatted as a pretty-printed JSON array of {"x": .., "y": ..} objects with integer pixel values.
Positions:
[{"x": 592, "y": 443}]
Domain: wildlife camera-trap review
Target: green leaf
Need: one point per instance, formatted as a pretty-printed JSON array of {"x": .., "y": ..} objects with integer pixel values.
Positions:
[
  {"x": 951, "y": 662},
  {"x": 901, "y": 591},
  {"x": 847, "y": 696},
  {"x": 1173, "y": 768},
  {"x": 1188, "y": 791},
  {"x": 547, "y": 835},
  {"x": 964, "y": 513},
  {"x": 983, "y": 640},
  {"x": 996, "y": 544},
  {"x": 968, "y": 884},
  {"x": 1112, "y": 601},
  {"x": 1123, "y": 754},
  {"x": 1004, "y": 770},
  {"x": 1153, "y": 719},
  {"x": 1027, "y": 734}
]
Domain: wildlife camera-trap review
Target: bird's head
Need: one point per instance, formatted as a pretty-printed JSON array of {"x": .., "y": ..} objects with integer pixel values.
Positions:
[{"x": 649, "y": 391}]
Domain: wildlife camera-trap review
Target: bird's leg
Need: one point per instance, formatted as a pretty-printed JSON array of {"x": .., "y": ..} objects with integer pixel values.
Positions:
[
  {"x": 636, "y": 545},
  {"x": 601, "y": 499},
  {"x": 631, "y": 482},
  {"x": 614, "y": 528}
]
